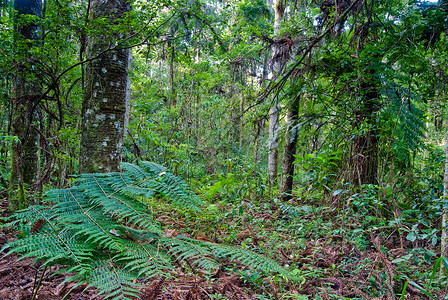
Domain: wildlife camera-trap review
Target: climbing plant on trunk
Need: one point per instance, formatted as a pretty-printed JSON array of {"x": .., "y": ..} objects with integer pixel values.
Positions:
[
  {"x": 25, "y": 96},
  {"x": 365, "y": 144}
]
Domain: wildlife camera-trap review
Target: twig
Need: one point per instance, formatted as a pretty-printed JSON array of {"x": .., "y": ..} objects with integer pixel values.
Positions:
[{"x": 36, "y": 289}]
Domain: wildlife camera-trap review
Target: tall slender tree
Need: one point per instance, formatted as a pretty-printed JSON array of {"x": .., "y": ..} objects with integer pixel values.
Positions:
[
  {"x": 279, "y": 11},
  {"x": 444, "y": 237},
  {"x": 290, "y": 147},
  {"x": 289, "y": 151},
  {"x": 26, "y": 93},
  {"x": 106, "y": 88}
]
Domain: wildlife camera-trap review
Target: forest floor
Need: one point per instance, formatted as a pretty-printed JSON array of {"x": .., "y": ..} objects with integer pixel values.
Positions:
[{"x": 332, "y": 266}]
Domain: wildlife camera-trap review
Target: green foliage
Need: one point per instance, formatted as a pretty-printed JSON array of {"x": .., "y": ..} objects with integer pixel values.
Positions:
[
  {"x": 102, "y": 230},
  {"x": 320, "y": 167},
  {"x": 255, "y": 17},
  {"x": 224, "y": 186},
  {"x": 202, "y": 124},
  {"x": 404, "y": 121}
]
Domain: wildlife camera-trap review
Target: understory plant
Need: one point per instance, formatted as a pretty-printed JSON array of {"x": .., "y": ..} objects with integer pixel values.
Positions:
[{"x": 101, "y": 230}]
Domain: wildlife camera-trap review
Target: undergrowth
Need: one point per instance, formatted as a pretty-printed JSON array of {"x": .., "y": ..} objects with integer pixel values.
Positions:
[
  {"x": 356, "y": 244},
  {"x": 102, "y": 231}
]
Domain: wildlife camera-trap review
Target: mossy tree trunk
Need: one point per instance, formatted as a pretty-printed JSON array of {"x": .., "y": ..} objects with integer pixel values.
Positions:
[
  {"x": 171, "y": 71},
  {"x": 26, "y": 92},
  {"x": 365, "y": 145},
  {"x": 260, "y": 124},
  {"x": 273, "y": 145},
  {"x": 279, "y": 10},
  {"x": 289, "y": 152},
  {"x": 105, "y": 105}
]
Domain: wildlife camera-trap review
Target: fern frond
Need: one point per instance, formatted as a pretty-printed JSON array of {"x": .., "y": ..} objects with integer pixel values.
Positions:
[
  {"x": 164, "y": 182},
  {"x": 248, "y": 258},
  {"x": 153, "y": 168},
  {"x": 52, "y": 244},
  {"x": 407, "y": 119},
  {"x": 147, "y": 259},
  {"x": 31, "y": 215},
  {"x": 201, "y": 252},
  {"x": 69, "y": 203},
  {"x": 89, "y": 222},
  {"x": 51, "y": 248},
  {"x": 120, "y": 204},
  {"x": 158, "y": 170},
  {"x": 115, "y": 283},
  {"x": 101, "y": 229},
  {"x": 188, "y": 249}
]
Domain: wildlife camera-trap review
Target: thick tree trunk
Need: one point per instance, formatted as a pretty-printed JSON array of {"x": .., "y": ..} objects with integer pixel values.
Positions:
[
  {"x": 25, "y": 152},
  {"x": 365, "y": 162},
  {"x": 106, "y": 95},
  {"x": 365, "y": 147},
  {"x": 288, "y": 154}
]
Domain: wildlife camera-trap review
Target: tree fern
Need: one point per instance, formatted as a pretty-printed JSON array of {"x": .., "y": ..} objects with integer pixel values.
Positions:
[{"x": 102, "y": 231}]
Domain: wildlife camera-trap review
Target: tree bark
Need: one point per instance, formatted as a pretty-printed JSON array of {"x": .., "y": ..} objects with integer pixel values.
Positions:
[
  {"x": 288, "y": 154},
  {"x": 24, "y": 152},
  {"x": 365, "y": 147},
  {"x": 259, "y": 139},
  {"x": 286, "y": 183},
  {"x": 279, "y": 9},
  {"x": 106, "y": 94},
  {"x": 444, "y": 239},
  {"x": 171, "y": 75},
  {"x": 241, "y": 122},
  {"x": 273, "y": 145}
]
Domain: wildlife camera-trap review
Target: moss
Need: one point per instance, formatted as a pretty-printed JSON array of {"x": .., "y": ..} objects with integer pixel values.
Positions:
[
  {"x": 17, "y": 198},
  {"x": 16, "y": 192}
]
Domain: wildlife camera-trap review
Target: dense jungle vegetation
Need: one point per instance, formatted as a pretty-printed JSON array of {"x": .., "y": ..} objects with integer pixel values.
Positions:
[{"x": 225, "y": 149}]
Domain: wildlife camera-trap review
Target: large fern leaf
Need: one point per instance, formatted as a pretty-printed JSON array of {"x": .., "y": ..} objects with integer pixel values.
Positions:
[{"x": 102, "y": 230}]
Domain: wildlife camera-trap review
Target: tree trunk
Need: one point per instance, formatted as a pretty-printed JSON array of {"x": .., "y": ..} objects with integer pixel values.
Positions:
[
  {"x": 278, "y": 7},
  {"x": 365, "y": 147},
  {"x": 106, "y": 94},
  {"x": 273, "y": 145},
  {"x": 286, "y": 183},
  {"x": 171, "y": 75},
  {"x": 262, "y": 121},
  {"x": 289, "y": 152},
  {"x": 25, "y": 152},
  {"x": 241, "y": 122},
  {"x": 259, "y": 139},
  {"x": 444, "y": 239}
]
